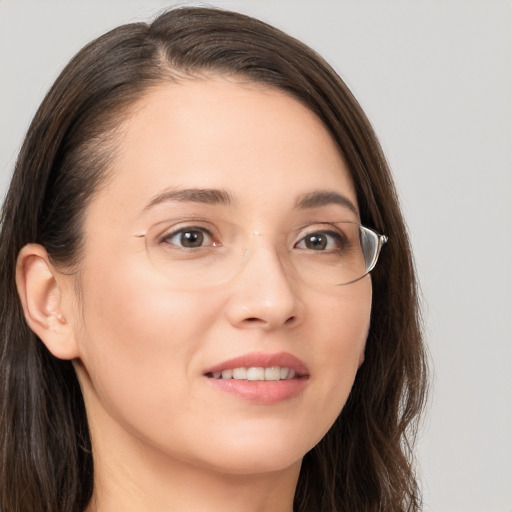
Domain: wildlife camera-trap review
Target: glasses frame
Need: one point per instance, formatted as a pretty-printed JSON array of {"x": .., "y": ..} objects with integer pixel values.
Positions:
[
  {"x": 377, "y": 241},
  {"x": 382, "y": 240}
]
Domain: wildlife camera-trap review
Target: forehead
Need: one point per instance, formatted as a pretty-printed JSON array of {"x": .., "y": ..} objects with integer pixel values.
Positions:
[{"x": 249, "y": 139}]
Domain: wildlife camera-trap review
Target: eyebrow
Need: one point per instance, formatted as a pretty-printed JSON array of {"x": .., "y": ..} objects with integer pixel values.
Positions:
[
  {"x": 320, "y": 198},
  {"x": 194, "y": 195},
  {"x": 315, "y": 199}
]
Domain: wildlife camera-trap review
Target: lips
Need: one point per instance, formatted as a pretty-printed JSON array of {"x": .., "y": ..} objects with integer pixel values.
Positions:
[{"x": 260, "y": 378}]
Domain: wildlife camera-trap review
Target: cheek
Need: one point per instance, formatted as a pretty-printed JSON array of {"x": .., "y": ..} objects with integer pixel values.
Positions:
[
  {"x": 342, "y": 329},
  {"x": 347, "y": 323},
  {"x": 139, "y": 343}
]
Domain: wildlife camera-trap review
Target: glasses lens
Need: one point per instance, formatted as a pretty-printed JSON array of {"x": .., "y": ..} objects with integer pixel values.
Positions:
[
  {"x": 191, "y": 257},
  {"x": 337, "y": 254},
  {"x": 326, "y": 254}
]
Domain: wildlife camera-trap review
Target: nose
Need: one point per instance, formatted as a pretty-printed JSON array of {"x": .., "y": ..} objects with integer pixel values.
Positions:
[{"x": 263, "y": 295}]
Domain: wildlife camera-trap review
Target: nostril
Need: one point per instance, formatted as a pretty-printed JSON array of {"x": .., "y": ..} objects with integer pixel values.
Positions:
[
  {"x": 261, "y": 321},
  {"x": 290, "y": 320}
]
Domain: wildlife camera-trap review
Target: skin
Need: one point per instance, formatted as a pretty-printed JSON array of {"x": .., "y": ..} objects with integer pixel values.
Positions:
[{"x": 163, "y": 437}]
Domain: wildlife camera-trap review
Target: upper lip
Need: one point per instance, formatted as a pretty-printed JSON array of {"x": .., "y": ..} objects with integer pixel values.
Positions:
[{"x": 263, "y": 360}]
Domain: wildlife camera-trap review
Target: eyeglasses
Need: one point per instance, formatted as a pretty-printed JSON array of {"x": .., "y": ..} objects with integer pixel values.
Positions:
[{"x": 194, "y": 255}]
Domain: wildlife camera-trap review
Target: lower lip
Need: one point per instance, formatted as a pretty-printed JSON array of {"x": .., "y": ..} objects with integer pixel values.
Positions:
[{"x": 261, "y": 391}]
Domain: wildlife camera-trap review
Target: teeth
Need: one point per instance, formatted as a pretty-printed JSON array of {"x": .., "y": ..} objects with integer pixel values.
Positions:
[
  {"x": 256, "y": 373},
  {"x": 240, "y": 373},
  {"x": 227, "y": 374},
  {"x": 273, "y": 373}
]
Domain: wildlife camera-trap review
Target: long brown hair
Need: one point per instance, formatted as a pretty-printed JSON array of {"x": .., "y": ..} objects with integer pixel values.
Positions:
[{"x": 365, "y": 461}]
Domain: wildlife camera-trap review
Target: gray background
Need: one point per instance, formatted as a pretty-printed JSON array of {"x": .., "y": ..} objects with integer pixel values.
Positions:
[{"x": 435, "y": 79}]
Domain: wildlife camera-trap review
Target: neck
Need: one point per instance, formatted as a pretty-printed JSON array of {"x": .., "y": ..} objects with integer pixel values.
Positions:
[{"x": 140, "y": 478}]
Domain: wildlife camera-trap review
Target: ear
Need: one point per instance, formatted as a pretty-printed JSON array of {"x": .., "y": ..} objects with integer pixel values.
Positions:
[{"x": 42, "y": 290}]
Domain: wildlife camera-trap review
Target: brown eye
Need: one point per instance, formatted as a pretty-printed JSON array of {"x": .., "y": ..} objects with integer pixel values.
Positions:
[
  {"x": 316, "y": 241},
  {"x": 191, "y": 238},
  {"x": 188, "y": 238},
  {"x": 321, "y": 241}
]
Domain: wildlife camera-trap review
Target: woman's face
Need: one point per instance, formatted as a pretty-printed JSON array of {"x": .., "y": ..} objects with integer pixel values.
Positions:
[{"x": 238, "y": 166}]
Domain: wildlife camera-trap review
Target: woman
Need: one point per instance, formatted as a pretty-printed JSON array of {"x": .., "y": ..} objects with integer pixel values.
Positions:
[{"x": 193, "y": 323}]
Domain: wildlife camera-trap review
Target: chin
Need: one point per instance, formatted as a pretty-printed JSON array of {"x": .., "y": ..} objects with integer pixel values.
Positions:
[
  {"x": 253, "y": 464},
  {"x": 244, "y": 455}
]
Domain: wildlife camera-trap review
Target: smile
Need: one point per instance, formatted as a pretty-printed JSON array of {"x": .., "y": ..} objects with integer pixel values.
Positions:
[
  {"x": 260, "y": 378},
  {"x": 254, "y": 373}
]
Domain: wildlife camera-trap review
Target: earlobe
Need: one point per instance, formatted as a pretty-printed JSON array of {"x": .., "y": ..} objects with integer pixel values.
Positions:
[{"x": 40, "y": 288}]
